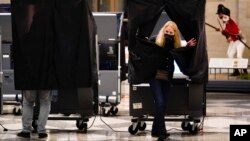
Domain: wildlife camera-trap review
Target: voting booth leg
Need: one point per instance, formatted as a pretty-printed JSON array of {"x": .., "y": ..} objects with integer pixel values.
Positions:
[{"x": 109, "y": 90}]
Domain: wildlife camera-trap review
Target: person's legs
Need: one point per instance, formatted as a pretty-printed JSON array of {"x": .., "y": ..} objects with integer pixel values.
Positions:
[
  {"x": 159, "y": 96},
  {"x": 231, "y": 52},
  {"x": 165, "y": 91},
  {"x": 240, "y": 50},
  {"x": 29, "y": 97},
  {"x": 27, "y": 115},
  {"x": 245, "y": 71},
  {"x": 45, "y": 97}
]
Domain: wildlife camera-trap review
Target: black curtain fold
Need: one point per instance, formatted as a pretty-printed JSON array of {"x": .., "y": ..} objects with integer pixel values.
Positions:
[{"x": 54, "y": 44}]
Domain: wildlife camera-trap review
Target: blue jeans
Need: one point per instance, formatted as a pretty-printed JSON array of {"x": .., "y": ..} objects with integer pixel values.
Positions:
[
  {"x": 29, "y": 97},
  {"x": 160, "y": 90}
]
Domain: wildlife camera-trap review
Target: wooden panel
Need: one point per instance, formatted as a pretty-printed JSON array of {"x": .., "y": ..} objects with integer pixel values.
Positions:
[
  {"x": 4, "y": 1},
  {"x": 248, "y": 10},
  {"x": 112, "y": 5}
]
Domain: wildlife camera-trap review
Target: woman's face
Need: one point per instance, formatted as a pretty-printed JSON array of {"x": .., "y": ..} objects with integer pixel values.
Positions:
[
  {"x": 225, "y": 18},
  {"x": 220, "y": 15},
  {"x": 169, "y": 30}
]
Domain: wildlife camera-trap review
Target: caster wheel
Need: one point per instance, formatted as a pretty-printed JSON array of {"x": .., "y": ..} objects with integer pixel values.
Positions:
[
  {"x": 132, "y": 130},
  {"x": 85, "y": 127},
  {"x": 193, "y": 129},
  {"x": 17, "y": 111},
  {"x": 142, "y": 126},
  {"x": 105, "y": 112},
  {"x": 14, "y": 111},
  {"x": 114, "y": 110},
  {"x": 81, "y": 125},
  {"x": 185, "y": 125}
]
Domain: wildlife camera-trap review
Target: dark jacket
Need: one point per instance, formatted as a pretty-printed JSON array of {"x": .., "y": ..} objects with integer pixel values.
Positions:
[
  {"x": 146, "y": 59},
  {"x": 167, "y": 64}
]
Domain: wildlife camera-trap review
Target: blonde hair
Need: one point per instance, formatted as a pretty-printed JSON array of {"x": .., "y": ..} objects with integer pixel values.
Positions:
[{"x": 160, "y": 40}]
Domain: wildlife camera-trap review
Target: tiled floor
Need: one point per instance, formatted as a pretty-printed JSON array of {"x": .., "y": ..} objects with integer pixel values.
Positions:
[{"x": 223, "y": 109}]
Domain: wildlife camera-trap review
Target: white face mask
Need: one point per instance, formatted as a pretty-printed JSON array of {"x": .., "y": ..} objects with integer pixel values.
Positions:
[{"x": 225, "y": 18}]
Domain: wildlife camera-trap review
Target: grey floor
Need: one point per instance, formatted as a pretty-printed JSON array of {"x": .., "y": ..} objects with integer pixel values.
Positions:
[{"x": 223, "y": 110}]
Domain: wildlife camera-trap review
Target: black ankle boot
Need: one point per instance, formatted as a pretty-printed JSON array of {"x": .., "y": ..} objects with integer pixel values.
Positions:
[
  {"x": 245, "y": 71},
  {"x": 235, "y": 73},
  {"x": 163, "y": 136}
]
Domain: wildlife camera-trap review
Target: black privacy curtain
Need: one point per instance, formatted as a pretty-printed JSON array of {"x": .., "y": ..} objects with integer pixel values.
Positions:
[
  {"x": 54, "y": 44},
  {"x": 189, "y": 16}
]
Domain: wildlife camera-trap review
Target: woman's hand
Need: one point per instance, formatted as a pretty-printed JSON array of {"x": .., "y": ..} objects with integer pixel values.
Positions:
[{"x": 192, "y": 42}]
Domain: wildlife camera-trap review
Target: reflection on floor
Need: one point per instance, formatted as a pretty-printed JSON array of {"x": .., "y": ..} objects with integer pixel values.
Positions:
[{"x": 223, "y": 110}]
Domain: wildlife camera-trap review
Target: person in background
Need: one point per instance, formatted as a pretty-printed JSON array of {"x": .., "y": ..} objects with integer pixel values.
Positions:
[
  {"x": 232, "y": 33},
  {"x": 29, "y": 98},
  {"x": 167, "y": 38},
  {"x": 51, "y": 53}
]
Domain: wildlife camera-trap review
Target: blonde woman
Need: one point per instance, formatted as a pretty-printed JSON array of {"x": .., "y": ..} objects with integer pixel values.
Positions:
[{"x": 167, "y": 38}]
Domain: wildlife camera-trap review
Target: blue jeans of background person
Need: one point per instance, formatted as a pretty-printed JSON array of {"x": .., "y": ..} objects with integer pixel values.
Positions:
[
  {"x": 160, "y": 90},
  {"x": 29, "y": 98}
]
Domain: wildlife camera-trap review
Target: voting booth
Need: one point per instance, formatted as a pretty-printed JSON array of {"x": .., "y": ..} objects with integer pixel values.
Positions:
[
  {"x": 109, "y": 26},
  {"x": 8, "y": 92}
]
